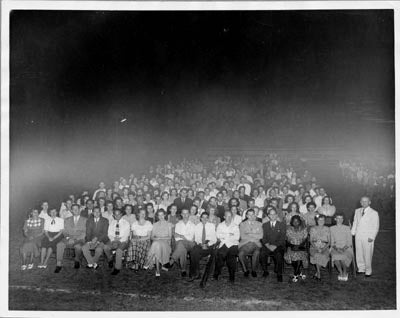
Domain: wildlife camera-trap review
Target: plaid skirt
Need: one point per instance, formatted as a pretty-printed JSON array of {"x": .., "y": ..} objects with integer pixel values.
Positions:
[{"x": 137, "y": 251}]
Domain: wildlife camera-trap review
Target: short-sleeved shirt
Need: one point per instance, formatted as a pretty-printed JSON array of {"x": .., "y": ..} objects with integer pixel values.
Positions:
[
  {"x": 142, "y": 230},
  {"x": 54, "y": 225}
]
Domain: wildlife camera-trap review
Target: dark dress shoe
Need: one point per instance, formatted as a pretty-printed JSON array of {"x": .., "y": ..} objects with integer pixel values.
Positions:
[
  {"x": 77, "y": 265},
  {"x": 168, "y": 265},
  {"x": 265, "y": 273},
  {"x": 110, "y": 264},
  {"x": 254, "y": 273},
  {"x": 95, "y": 266},
  {"x": 246, "y": 273},
  {"x": 191, "y": 279},
  {"x": 231, "y": 279},
  {"x": 183, "y": 274},
  {"x": 115, "y": 271},
  {"x": 360, "y": 273},
  {"x": 215, "y": 276},
  {"x": 367, "y": 276},
  {"x": 280, "y": 278},
  {"x": 58, "y": 268}
]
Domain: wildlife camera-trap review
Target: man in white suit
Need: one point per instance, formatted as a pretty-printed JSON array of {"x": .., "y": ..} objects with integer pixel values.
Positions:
[{"x": 365, "y": 228}]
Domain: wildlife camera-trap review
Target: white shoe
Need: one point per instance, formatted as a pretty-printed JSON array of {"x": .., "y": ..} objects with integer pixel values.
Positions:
[
  {"x": 30, "y": 266},
  {"x": 295, "y": 279},
  {"x": 346, "y": 277},
  {"x": 158, "y": 274},
  {"x": 23, "y": 267}
]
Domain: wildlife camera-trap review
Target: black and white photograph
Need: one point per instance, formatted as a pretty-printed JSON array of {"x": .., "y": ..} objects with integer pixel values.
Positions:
[{"x": 199, "y": 156}]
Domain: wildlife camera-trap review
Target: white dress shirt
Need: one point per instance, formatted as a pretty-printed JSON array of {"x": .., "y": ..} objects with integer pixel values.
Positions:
[
  {"x": 228, "y": 235},
  {"x": 187, "y": 230},
  {"x": 124, "y": 230},
  {"x": 210, "y": 233}
]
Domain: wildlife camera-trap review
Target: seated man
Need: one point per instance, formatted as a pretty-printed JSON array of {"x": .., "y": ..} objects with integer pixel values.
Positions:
[
  {"x": 251, "y": 233},
  {"x": 204, "y": 238},
  {"x": 273, "y": 241},
  {"x": 96, "y": 237},
  {"x": 184, "y": 242},
  {"x": 118, "y": 233},
  {"x": 228, "y": 234},
  {"x": 74, "y": 236}
]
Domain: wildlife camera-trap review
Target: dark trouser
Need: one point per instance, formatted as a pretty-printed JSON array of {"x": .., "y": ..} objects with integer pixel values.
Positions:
[
  {"x": 196, "y": 254},
  {"x": 228, "y": 254},
  {"x": 278, "y": 258}
]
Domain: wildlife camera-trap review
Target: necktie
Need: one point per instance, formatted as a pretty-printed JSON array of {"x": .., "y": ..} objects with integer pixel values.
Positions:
[
  {"x": 53, "y": 222},
  {"x": 273, "y": 225},
  {"x": 75, "y": 220},
  {"x": 203, "y": 235},
  {"x": 363, "y": 212},
  {"x": 117, "y": 229}
]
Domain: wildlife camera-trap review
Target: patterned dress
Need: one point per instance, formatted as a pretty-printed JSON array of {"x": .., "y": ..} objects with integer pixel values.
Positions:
[
  {"x": 319, "y": 238},
  {"x": 296, "y": 238},
  {"x": 340, "y": 237},
  {"x": 138, "y": 247},
  {"x": 33, "y": 228}
]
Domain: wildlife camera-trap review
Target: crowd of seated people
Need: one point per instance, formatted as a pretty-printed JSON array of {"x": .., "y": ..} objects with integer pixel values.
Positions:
[
  {"x": 377, "y": 179},
  {"x": 236, "y": 209}
]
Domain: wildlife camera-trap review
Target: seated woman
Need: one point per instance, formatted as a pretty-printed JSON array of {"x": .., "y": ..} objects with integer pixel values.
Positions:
[
  {"x": 194, "y": 217},
  {"x": 212, "y": 217},
  {"x": 129, "y": 215},
  {"x": 33, "y": 232},
  {"x": 53, "y": 233},
  {"x": 160, "y": 249},
  {"x": 327, "y": 208},
  {"x": 342, "y": 246},
  {"x": 150, "y": 212},
  {"x": 296, "y": 254},
  {"x": 288, "y": 200},
  {"x": 293, "y": 210},
  {"x": 140, "y": 241},
  {"x": 320, "y": 237}
]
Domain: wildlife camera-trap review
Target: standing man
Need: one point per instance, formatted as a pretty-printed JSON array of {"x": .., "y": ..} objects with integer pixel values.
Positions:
[
  {"x": 74, "y": 236},
  {"x": 273, "y": 241},
  {"x": 365, "y": 228}
]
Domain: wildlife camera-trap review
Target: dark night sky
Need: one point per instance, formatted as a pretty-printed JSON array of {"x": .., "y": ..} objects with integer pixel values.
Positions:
[{"x": 195, "y": 79}]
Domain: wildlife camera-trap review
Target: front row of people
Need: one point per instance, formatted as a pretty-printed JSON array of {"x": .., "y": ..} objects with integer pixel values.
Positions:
[{"x": 162, "y": 245}]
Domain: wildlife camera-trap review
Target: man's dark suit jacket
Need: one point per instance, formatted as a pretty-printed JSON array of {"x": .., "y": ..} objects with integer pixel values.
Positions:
[
  {"x": 100, "y": 231},
  {"x": 85, "y": 213},
  {"x": 275, "y": 236},
  {"x": 181, "y": 205}
]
